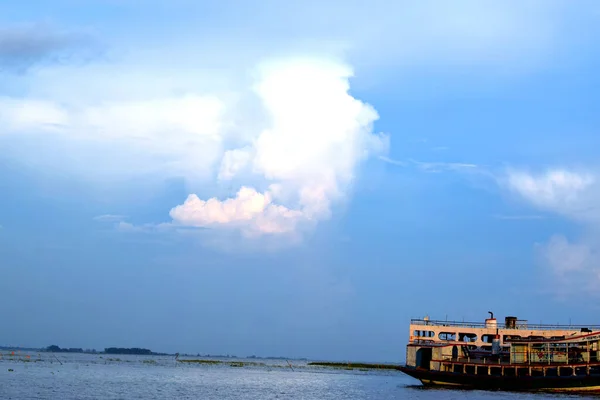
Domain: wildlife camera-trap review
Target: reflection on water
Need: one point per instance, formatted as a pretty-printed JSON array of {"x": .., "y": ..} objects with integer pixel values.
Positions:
[{"x": 86, "y": 376}]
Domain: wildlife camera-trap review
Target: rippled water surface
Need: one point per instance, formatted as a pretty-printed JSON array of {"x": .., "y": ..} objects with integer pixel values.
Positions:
[{"x": 83, "y": 376}]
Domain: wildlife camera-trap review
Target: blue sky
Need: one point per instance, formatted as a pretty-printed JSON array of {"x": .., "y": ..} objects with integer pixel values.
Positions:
[{"x": 299, "y": 180}]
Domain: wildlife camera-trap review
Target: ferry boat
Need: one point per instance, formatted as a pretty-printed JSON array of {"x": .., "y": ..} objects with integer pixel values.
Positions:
[{"x": 514, "y": 356}]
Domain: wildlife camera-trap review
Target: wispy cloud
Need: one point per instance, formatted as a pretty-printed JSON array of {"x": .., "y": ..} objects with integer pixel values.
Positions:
[
  {"x": 143, "y": 228},
  {"x": 571, "y": 267},
  {"x": 443, "y": 166},
  {"x": 394, "y": 162},
  {"x": 519, "y": 217},
  {"x": 432, "y": 166},
  {"x": 110, "y": 218}
]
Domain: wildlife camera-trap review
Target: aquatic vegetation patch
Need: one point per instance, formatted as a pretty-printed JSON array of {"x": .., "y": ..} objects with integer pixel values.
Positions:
[
  {"x": 230, "y": 363},
  {"x": 201, "y": 361},
  {"x": 349, "y": 365},
  {"x": 248, "y": 363}
]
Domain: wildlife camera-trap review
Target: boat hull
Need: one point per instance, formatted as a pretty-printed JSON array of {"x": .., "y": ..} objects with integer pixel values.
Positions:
[{"x": 588, "y": 383}]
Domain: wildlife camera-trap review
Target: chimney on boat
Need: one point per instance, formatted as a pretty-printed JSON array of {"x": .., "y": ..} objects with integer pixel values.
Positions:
[{"x": 491, "y": 322}]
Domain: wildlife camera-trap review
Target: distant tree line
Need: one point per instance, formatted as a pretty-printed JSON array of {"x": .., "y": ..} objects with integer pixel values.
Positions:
[
  {"x": 55, "y": 349},
  {"x": 134, "y": 351},
  {"x": 121, "y": 350},
  {"x": 109, "y": 350}
]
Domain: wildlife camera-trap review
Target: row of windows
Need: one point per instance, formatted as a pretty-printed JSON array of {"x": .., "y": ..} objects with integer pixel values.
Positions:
[{"x": 468, "y": 337}]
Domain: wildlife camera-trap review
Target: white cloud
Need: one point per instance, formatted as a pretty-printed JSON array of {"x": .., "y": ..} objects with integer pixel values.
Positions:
[
  {"x": 166, "y": 104},
  {"x": 571, "y": 268},
  {"x": 571, "y": 193},
  {"x": 233, "y": 162},
  {"x": 576, "y": 196},
  {"x": 31, "y": 115},
  {"x": 292, "y": 141},
  {"x": 250, "y": 211},
  {"x": 193, "y": 116},
  {"x": 181, "y": 135},
  {"x": 318, "y": 132},
  {"x": 315, "y": 136},
  {"x": 565, "y": 257}
]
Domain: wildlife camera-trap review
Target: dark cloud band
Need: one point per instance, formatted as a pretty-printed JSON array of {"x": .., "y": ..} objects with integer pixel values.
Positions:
[{"x": 23, "y": 47}]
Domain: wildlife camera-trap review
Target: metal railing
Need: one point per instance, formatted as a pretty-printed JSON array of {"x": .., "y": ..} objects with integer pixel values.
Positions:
[
  {"x": 519, "y": 359},
  {"x": 520, "y": 324}
]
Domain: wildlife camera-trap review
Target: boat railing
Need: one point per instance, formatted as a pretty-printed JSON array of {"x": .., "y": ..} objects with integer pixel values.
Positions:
[
  {"x": 533, "y": 353},
  {"x": 558, "y": 361},
  {"x": 519, "y": 324}
]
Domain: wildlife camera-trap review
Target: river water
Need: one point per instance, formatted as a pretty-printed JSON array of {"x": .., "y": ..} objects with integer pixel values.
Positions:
[{"x": 85, "y": 376}]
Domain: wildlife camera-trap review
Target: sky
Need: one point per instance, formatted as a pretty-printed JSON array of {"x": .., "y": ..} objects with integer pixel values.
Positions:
[{"x": 295, "y": 179}]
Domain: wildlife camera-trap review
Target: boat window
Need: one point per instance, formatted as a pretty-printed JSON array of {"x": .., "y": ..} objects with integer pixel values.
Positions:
[
  {"x": 487, "y": 338},
  {"x": 532, "y": 337},
  {"x": 508, "y": 338},
  {"x": 447, "y": 336},
  {"x": 423, "y": 333},
  {"x": 467, "y": 337}
]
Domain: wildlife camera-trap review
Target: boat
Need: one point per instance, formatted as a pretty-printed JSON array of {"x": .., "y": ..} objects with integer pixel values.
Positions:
[{"x": 514, "y": 356}]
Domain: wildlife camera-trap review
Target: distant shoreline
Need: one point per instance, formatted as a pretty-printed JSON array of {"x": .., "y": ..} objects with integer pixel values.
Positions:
[
  {"x": 147, "y": 352},
  {"x": 137, "y": 351}
]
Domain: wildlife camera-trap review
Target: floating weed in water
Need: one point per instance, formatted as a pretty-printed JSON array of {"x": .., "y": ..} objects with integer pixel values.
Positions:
[
  {"x": 230, "y": 363},
  {"x": 246, "y": 364},
  {"x": 201, "y": 361},
  {"x": 349, "y": 366},
  {"x": 151, "y": 362}
]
